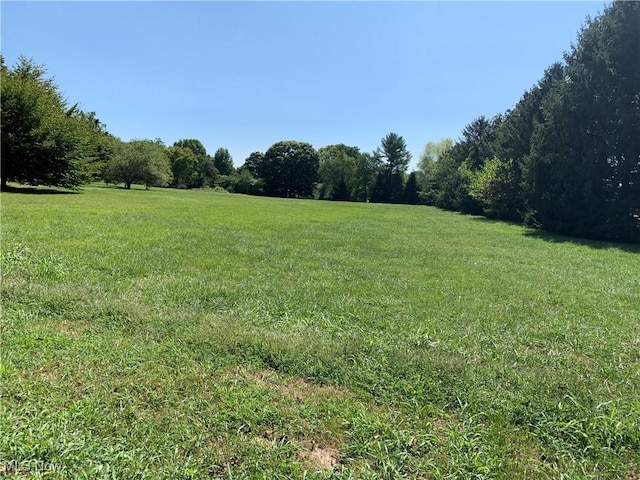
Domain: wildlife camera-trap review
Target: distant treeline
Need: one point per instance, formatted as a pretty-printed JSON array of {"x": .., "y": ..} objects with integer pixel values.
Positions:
[{"x": 565, "y": 158}]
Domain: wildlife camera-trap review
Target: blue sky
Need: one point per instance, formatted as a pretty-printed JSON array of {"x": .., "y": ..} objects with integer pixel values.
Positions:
[{"x": 244, "y": 75}]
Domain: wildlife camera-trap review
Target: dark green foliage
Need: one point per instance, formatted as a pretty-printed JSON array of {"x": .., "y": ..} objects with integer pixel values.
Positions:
[
  {"x": 411, "y": 190},
  {"x": 202, "y": 173},
  {"x": 207, "y": 171},
  {"x": 433, "y": 152},
  {"x": 393, "y": 153},
  {"x": 477, "y": 143},
  {"x": 184, "y": 166},
  {"x": 495, "y": 187},
  {"x": 97, "y": 145},
  {"x": 430, "y": 171},
  {"x": 289, "y": 169},
  {"x": 245, "y": 182},
  {"x": 584, "y": 169},
  {"x": 513, "y": 135},
  {"x": 192, "y": 144},
  {"x": 366, "y": 167},
  {"x": 451, "y": 175},
  {"x": 338, "y": 171},
  {"x": 341, "y": 192},
  {"x": 223, "y": 162},
  {"x": 252, "y": 163},
  {"x": 393, "y": 158},
  {"x": 44, "y": 142},
  {"x": 388, "y": 188},
  {"x": 567, "y": 156},
  {"x": 139, "y": 161},
  {"x": 448, "y": 185},
  {"x": 513, "y": 141}
]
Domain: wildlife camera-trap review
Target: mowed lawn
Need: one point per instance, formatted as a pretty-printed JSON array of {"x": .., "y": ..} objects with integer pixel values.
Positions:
[{"x": 192, "y": 334}]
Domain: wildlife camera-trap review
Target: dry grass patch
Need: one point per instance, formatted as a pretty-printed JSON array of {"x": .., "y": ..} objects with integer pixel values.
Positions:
[
  {"x": 321, "y": 457},
  {"x": 298, "y": 389},
  {"x": 318, "y": 450}
]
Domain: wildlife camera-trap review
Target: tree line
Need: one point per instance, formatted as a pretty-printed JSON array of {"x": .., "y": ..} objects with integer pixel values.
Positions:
[
  {"x": 47, "y": 142},
  {"x": 565, "y": 158}
]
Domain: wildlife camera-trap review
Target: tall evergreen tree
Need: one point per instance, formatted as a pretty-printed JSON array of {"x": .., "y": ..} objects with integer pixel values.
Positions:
[
  {"x": 585, "y": 159},
  {"x": 394, "y": 158},
  {"x": 477, "y": 141},
  {"x": 393, "y": 153},
  {"x": 411, "y": 190}
]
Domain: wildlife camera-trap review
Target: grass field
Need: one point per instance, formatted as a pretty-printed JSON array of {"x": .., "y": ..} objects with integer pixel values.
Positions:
[{"x": 191, "y": 334}]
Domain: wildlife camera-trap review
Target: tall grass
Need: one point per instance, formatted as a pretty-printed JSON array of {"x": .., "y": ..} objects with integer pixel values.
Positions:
[{"x": 191, "y": 334}]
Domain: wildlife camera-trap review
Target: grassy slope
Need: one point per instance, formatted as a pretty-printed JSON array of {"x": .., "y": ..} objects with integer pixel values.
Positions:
[{"x": 176, "y": 334}]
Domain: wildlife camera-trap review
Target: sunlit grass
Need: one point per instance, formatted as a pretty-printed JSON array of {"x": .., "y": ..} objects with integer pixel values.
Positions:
[{"x": 186, "y": 334}]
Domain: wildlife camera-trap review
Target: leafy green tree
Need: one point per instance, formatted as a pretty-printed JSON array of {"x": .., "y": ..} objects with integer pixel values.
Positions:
[
  {"x": 192, "y": 144},
  {"x": 433, "y": 152},
  {"x": 246, "y": 183},
  {"x": 157, "y": 169},
  {"x": 253, "y": 163},
  {"x": 367, "y": 167},
  {"x": 44, "y": 142},
  {"x": 123, "y": 167},
  {"x": 140, "y": 161},
  {"x": 495, "y": 186},
  {"x": 223, "y": 162},
  {"x": 98, "y": 144},
  {"x": 463, "y": 159},
  {"x": 337, "y": 172},
  {"x": 444, "y": 183},
  {"x": 429, "y": 166},
  {"x": 450, "y": 180},
  {"x": 184, "y": 167},
  {"x": 289, "y": 169},
  {"x": 206, "y": 170},
  {"x": 446, "y": 168}
]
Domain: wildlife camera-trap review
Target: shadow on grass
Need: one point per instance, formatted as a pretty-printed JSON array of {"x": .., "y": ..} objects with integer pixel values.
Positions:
[
  {"x": 557, "y": 238},
  {"x": 29, "y": 190},
  {"x": 596, "y": 244}
]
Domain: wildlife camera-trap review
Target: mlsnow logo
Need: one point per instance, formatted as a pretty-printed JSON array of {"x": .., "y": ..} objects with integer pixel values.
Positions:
[{"x": 12, "y": 467}]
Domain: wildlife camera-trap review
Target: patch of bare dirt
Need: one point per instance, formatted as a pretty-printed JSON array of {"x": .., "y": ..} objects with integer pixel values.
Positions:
[
  {"x": 321, "y": 457},
  {"x": 318, "y": 454}
]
